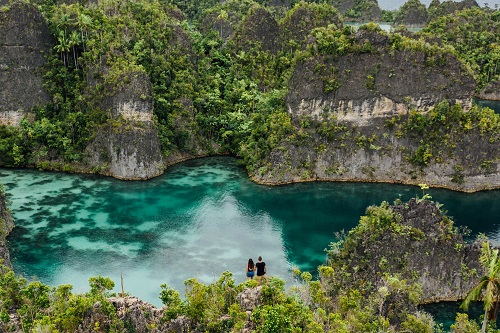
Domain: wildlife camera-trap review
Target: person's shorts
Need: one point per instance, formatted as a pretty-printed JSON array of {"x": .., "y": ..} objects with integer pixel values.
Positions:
[{"x": 250, "y": 274}]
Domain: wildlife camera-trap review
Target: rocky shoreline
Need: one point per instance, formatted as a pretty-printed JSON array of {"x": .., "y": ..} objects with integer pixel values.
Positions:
[{"x": 6, "y": 226}]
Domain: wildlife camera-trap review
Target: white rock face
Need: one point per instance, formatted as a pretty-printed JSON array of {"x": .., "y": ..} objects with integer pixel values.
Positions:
[
  {"x": 363, "y": 111},
  {"x": 134, "y": 111},
  {"x": 12, "y": 118}
]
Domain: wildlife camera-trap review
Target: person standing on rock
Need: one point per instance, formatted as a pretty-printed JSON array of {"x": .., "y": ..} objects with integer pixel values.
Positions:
[
  {"x": 250, "y": 269},
  {"x": 261, "y": 270}
]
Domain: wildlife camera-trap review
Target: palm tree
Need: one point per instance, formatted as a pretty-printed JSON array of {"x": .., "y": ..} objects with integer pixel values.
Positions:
[
  {"x": 73, "y": 42},
  {"x": 63, "y": 46},
  {"x": 222, "y": 17},
  {"x": 84, "y": 22},
  {"x": 488, "y": 287}
]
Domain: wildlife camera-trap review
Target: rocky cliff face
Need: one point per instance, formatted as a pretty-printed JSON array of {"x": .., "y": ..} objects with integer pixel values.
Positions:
[
  {"x": 376, "y": 83},
  {"x": 24, "y": 41},
  {"x": 449, "y": 7},
  {"x": 6, "y": 225},
  {"x": 358, "y": 10},
  {"x": 420, "y": 244},
  {"x": 128, "y": 146},
  {"x": 343, "y": 109},
  {"x": 258, "y": 28},
  {"x": 302, "y": 19},
  {"x": 491, "y": 91},
  {"x": 412, "y": 13}
]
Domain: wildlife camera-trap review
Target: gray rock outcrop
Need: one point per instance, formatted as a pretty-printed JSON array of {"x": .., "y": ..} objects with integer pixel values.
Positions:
[
  {"x": 249, "y": 298},
  {"x": 128, "y": 147},
  {"x": 424, "y": 248},
  {"x": 437, "y": 9},
  {"x": 413, "y": 13},
  {"x": 137, "y": 314},
  {"x": 6, "y": 226},
  {"x": 376, "y": 84},
  {"x": 491, "y": 91},
  {"x": 358, "y": 10},
  {"x": 348, "y": 101},
  {"x": 24, "y": 41}
]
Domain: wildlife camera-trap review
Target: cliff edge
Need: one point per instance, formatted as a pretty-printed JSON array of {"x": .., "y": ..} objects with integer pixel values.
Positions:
[
  {"x": 127, "y": 146},
  {"x": 6, "y": 226}
]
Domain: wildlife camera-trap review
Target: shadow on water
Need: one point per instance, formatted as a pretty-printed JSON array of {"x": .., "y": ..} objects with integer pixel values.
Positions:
[
  {"x": 445, "y": 312},
  {"x": 494, "y": 105}
]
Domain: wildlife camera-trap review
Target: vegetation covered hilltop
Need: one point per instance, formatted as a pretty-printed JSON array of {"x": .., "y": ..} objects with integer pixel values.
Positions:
[{"x": 125, "y": 88}]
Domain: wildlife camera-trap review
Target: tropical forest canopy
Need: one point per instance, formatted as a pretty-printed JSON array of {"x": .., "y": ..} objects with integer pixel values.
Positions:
[{"x": 219, "y": 81}]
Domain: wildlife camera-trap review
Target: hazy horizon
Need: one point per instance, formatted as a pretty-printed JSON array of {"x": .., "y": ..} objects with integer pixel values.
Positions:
[{"x": 396, "y": 4}]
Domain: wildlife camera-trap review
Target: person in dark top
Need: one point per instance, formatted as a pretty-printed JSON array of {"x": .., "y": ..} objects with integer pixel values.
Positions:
[
  {"x": 250, "y": 269},
  {"x": 261, "y": 270}
]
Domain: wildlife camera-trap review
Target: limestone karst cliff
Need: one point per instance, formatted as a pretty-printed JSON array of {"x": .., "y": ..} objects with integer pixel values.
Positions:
[
  {"x": 128, "y": 147},
  {"x": 25, "y": 40},
  {"x": 185, "y": 93},
  {"x": 354, "y": 117},
  {"x": 491, "y": 91}
]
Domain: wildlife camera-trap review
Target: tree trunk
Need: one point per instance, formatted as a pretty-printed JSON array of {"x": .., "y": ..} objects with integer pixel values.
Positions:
[{"x": 485, "y": 320}]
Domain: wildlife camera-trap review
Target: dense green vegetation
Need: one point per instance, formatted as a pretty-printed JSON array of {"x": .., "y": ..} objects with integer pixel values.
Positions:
[
  {"x": 219, "y": 85},
  {"x": 219, "y": 78},
  {"x": 475, "y": 35},
  {"x": 439, "y": 131}
]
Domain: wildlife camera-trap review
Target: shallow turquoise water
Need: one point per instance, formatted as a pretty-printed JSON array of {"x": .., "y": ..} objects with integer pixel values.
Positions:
[{"x": 199, "y": 219}]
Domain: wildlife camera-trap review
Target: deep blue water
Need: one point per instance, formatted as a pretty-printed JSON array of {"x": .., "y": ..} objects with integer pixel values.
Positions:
[{"x": 199, "y": 219}]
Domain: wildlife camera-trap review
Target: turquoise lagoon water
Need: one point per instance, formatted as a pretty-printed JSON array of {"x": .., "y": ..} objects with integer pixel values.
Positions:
[{"x": 199, "y": 219}]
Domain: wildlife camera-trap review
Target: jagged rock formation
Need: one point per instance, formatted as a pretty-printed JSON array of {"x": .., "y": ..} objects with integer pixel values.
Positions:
[
  {"x": 348, "y": 100},
  {"x": 6, "y": 226},
  {"x": 413, "y": 13},
  {"x": 358, "y": 10},
  {"x": 377, "y": 83},
  {"x": 143, "y": 317},
  {"x": 249, "y": 298},
  {"x": 224, "y": 20},
  {"x": 24, "y": 41},
  {"x": 258, "y": 29},
  {"x": 420, "y": 244},
  {"x": 437, "y": 9},
  {"x": 491, "y": 91},
  {"x": 128, "y": 148},
  {"x": 302, "y": 19}
]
